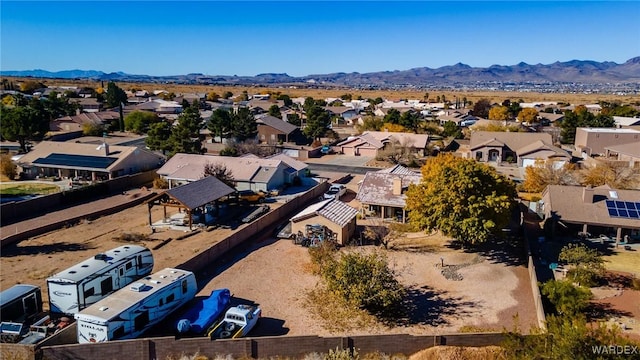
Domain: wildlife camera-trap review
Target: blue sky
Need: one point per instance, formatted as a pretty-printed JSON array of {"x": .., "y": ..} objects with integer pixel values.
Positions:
[{"x": 302, "y": 38}]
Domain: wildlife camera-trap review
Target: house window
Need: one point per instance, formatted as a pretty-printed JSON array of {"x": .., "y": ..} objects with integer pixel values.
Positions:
[{"x": 479, "y": 155}]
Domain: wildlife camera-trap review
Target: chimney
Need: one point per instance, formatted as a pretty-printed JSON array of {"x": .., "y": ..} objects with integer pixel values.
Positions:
[
  {"x": 587, "y": 195},
  {"x": 397, "y": 186}
]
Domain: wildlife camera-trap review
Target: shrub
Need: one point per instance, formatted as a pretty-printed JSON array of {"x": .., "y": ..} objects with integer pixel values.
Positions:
[
  {"x": 587, "y": 264},
  {"x": 342, "y": 354},
  {"x": 322, "y": 257},
  {"x": 160, "y": 183},
  {"x": 568, "y": 300},
  {"x": 7, "y": 167}
]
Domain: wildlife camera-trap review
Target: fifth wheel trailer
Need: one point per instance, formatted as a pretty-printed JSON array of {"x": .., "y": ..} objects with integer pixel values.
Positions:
[
  {"x": 129, "y": 312},
  {"x": 83, "y": 284}
]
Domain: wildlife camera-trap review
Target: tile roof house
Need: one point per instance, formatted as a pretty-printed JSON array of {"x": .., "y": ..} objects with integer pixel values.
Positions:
[
  {"x": 382, "y": 193},
  {"x": 337, "y": 216},
  {"x": 249, "y": 173},
  {"x": 370, "y": 143},
  {"x": 519, "y": 147},
  {"x": 76, "y": 122},
  {"x": 588, "y": 206},
  {"x": 592, "y": 141},
  {"x": 86, "y": 161}
]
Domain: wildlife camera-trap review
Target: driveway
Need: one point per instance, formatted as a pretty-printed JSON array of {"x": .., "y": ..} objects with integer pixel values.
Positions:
[{"x": 343, "y": 160}]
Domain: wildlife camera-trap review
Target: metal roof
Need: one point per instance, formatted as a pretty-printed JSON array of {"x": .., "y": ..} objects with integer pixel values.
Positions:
[
  {"x": 332, "y": 209},
  {"x": 200, "y": 192}
]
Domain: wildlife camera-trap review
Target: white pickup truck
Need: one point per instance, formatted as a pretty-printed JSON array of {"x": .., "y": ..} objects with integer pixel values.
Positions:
[{"x": 237, "y": 322}]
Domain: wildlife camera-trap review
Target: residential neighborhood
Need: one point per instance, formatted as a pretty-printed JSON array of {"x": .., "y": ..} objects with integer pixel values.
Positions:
[{"x": 222, "y": 186}]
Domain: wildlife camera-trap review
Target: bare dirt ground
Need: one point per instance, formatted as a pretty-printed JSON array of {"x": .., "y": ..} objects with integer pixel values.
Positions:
[{"x": 273, "y": 274}]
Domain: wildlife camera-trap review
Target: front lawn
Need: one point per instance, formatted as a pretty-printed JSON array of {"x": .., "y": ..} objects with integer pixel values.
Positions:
[{"x": 23, "y": 189}]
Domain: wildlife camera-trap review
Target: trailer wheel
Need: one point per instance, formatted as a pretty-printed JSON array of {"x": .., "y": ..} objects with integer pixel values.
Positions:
[{"x": 225, "y": 334}]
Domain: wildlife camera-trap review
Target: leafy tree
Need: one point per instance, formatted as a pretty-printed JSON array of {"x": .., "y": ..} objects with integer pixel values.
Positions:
[
  {"x": 567, "y": 299},
  {"x": 221, "y": 172},
  {"x": 139, "y": 121},
  {"x": 616, "y": 175},
  {"x": 158, "y": 136},
  {"x": 287, "y": 100},
  {"x": 212, "y": 96},
  {"x": 168, "y": 96},
  {"x": 7, "y": 167},
  {"x": 497, "y": 127},
  {"x": 543, "y": 173},
  {"x": 219, "y": 124},
  {"x": 581, "y": 117},
  {"x": 393, "y": 116},
  {"x": 410, "y": 120},
  {"x": 318, "y": 121},
  {"x": 462, "y": 198},
  {"x": 274, "y": 110},
  {"x": 244, "y": 96},
  {"x": 294, "y": 119},
  {"x": 185, "y": 137},
  {"x": 24, "y": 122},
  {"x": 243, "y": 125},
  {"x": 92, "y": 129},
  {"x": 227, "y": 95},
  {"x": 309, "y": 102},
  {"x": 481, "y": 108},
  {"x": 586, "y": 265},
  {"x": 115, "y": 95},
  {"x": 346, "y": 97},
  {"x": 29, "y": 86},
  {"x": 56, "y": 106},
  {"x": 528, "y": 115},
  {"x": 499, "y": 113},
  {"x": 370, "y": 123},
  {"x": 451, "y": 129},
  {"x": 365, "y": 281}
]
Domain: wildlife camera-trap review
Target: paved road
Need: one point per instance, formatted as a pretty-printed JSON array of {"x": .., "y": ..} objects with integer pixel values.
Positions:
[{"x": 340, "y": 168}]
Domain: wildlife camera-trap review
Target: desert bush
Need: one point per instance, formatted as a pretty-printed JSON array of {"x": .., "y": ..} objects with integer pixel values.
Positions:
[
  {"x": 160, "y": 183},
  {"x": 635, "y": 283},
  {"x": 322, "y": 256},
  {"x": 7, "y": 167},
  {"x": 342, "y": 354},
  {"x": 132, "y": 237},
  {"x": 568, "y": 300},
  {"x": 587, "y": 265}
]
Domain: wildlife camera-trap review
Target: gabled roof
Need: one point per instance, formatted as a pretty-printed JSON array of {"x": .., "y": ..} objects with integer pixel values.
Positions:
[
  {"x": 191, "y": 167},
  {"x": 377, "y": 188},
  {"x": 333, "y": 210},
  {"x": 199, "y": 193},
  {"x": 377, "y": 139},
  {"x": 513, "y": 140},
  {"x": 295, "y": 164},
  {"x": 541, "y": 145},
  {"x": 276, "y": 123}
]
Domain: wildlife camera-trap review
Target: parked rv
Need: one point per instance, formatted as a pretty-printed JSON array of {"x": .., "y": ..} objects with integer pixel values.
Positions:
[
  {"x": 20, "y": 306},
  {"x": 130, "y": 311},
  {"x": 83, "y": 284}
]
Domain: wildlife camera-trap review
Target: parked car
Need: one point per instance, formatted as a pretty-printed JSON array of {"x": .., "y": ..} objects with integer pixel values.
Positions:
[
  {"x": 251, "y": 196},
  {"x": 335, "y": 191}
]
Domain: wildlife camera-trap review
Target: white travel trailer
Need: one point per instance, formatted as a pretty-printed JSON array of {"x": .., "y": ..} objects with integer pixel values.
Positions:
[
  {"x": 128, "y": 312},
  {"x": 85, "y": 283}
]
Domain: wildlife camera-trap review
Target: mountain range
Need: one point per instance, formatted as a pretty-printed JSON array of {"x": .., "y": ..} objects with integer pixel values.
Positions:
[{"x": 574, "y": 72}]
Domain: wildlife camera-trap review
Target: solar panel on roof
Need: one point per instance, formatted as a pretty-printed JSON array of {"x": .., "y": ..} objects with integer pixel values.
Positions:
[
  {"x": 623, "y": 209},
  {"x": 79, "y": 161}
]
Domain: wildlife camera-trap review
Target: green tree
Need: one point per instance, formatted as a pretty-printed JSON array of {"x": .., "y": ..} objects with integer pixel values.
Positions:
[
  {"x": 392, "y": 116},
  {"x": 274, "y": 110},
  {"x": 115, "y": 95},
  {"x": 243, "y": 125},
  {"x": 346, "y": 97},
  {"x": 410, "y": 120},
  {"x": 158, "y": 136},
  {"x": 227, "y": 95},
  {"x": 287, "y": 100},
  {"x": 586, "y": 265},
  {"x": 294, "y": 119},
  {"x": 581, "y": 117},
  {"x": 219, "y": 124},
  {"x": 451, "y": 129},
  {"x": 29, "y": 86},
  {"x": 318, "y": 121},
  {"x": 567, "y": 299},
  {"x": 309, "y": 102},
  {"x": 57, "y": 106},
  {"x": 364, "y": 281},
  {"x": 481, "y": 108},
  {"x": 139, "y": 121},
  {"x": 462, "y": 198},
  {"x": 370, "y": 123},
  {"x": 22, "y": 123},
  {"x": 185, "y": 137}
]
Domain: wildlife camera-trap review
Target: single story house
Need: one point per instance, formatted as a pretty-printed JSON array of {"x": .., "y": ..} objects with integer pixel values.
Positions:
[
  {"x": 370, "y": 143},
  {"x": 382, "y": 193},
  {"x": 86, "y": 161},
  {"x": 625, "y": 152},
  {"x": 333, "y": 214},
  {"x": 272, "y": 130},
  {"x": 296, "y": 167},
  {"x": 344, "y": 112},
  {"x": 592, "y": 141},
  {"x": 249, "y": 173},
  {"x": 624, "y": 121},
  {"x": 518, "y": 147},
  {"x": 617, "y": 210},
  {"x": 76, "y": 122}
]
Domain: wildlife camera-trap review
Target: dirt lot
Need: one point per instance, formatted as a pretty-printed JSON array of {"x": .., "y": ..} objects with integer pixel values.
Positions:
[{"x": 272, "y": 274}]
